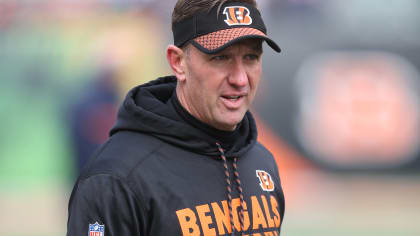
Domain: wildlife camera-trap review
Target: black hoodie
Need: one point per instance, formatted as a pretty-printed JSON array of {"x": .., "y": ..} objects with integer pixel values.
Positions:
[{"x": 163, "y": 172}]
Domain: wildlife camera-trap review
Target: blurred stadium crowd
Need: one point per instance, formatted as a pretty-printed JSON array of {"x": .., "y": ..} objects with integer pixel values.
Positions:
[{"x": 339, "y": 107}]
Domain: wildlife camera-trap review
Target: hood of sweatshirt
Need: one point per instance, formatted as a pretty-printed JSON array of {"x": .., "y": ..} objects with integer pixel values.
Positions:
[{"x": 153, "y": 109}]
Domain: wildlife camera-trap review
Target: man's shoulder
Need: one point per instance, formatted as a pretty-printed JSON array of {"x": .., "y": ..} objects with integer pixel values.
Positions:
[
  {"x": 123, "y": 152},
  {"x": 262, "y": 150},
  {"x": 262, "y": 157}
]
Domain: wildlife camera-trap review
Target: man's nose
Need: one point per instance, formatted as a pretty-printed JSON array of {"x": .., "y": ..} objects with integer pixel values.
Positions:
[{"x": 238, "y": 76}]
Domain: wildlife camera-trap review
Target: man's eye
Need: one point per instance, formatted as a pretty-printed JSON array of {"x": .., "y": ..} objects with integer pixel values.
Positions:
[
  {"x": 252, "y": 57},
  {"x": 219, "y": 58}
]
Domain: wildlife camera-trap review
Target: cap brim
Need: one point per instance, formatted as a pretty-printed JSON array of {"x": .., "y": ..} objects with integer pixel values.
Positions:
[{"x": 219, "y": 40}]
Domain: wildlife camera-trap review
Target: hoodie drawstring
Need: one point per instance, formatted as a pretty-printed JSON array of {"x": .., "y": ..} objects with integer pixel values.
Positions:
[{"x": 229, "y": 189}]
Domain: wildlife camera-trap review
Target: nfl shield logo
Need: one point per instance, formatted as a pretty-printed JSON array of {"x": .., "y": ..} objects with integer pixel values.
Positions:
[{"x": 96, "y": 230}]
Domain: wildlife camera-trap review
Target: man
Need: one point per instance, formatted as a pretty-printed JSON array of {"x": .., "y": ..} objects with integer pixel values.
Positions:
[{"x": 183, "y": 158}]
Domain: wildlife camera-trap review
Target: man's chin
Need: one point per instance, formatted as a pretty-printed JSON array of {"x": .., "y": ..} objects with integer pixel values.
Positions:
[{"x": 230, "y": 123}]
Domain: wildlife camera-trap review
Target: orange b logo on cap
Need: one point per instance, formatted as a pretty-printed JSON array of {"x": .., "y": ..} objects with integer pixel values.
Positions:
[
  {"x": 237, "y": 15},
  {"x": 266, "y": 182}
]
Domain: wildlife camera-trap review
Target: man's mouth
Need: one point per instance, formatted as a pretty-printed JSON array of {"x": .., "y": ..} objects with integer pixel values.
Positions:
[
  {"x": 233, "y": 98},
  {"x": 233, "y": 101}
]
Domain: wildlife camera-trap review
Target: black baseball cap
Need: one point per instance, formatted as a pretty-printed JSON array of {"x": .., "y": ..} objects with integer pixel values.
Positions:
[{"x": 213, "y": 31}]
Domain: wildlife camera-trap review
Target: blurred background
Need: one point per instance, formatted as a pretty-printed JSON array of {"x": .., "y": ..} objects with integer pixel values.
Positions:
[{"x": 339, "y": 107}]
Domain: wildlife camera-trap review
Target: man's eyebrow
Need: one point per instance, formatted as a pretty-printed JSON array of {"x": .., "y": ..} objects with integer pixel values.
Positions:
[{"x": 257, "y": 48}]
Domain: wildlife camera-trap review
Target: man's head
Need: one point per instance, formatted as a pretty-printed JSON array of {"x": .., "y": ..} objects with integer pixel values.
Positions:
[{"x": 216, "y": 58}]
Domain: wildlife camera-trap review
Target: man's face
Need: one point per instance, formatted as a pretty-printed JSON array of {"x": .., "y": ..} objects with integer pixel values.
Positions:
[{"x": 219, "y": 88}]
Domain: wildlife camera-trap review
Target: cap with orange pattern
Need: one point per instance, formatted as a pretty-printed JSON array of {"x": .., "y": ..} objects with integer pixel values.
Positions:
[{"x": 213, "y": 31}]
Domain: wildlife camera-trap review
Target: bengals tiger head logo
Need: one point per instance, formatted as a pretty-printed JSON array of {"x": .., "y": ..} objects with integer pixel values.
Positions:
[
  {"x": 266, "y": 182},
  {"x": 237, "y": 15}
]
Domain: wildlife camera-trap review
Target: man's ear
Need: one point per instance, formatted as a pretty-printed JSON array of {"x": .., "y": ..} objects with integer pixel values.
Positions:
[{"x": 176, "y": 59}]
